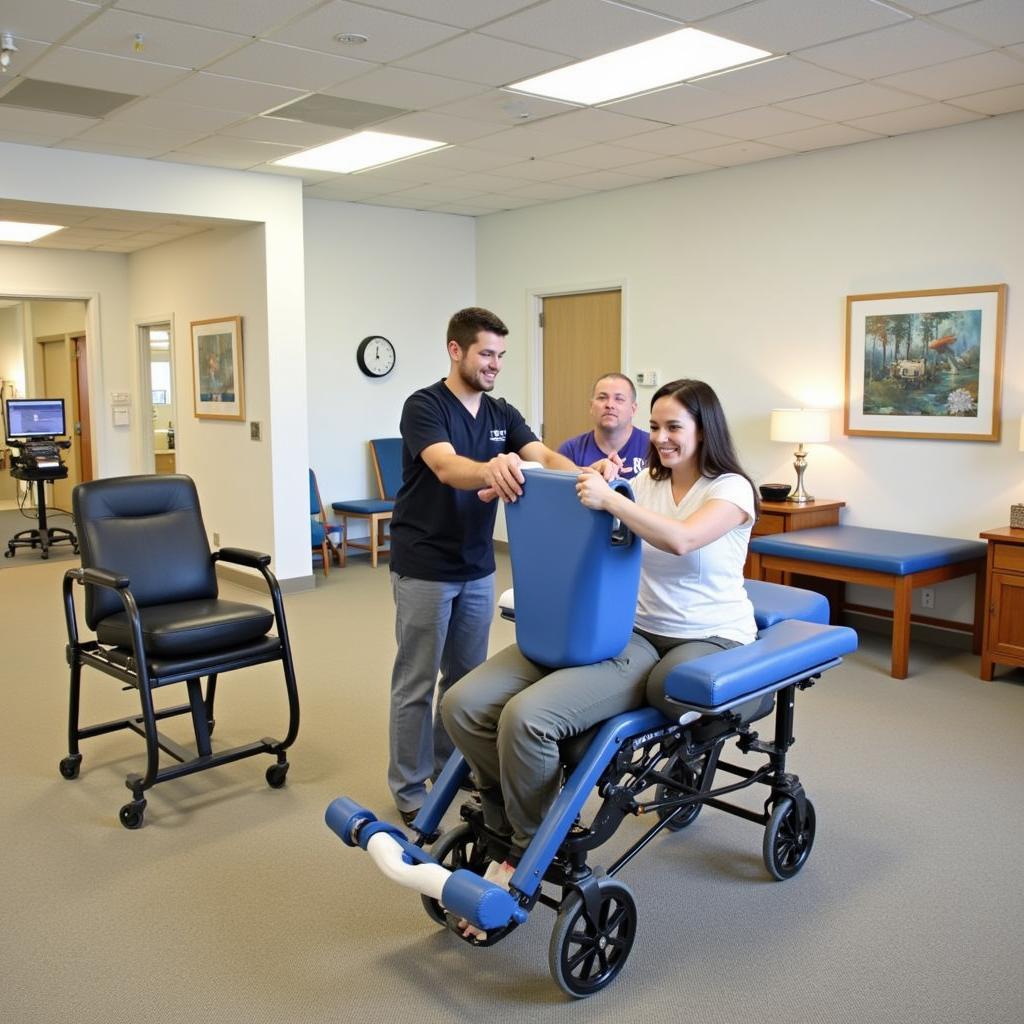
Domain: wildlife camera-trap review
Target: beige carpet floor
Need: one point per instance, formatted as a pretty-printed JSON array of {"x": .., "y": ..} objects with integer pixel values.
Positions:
[{"x": 236, "y": 904}]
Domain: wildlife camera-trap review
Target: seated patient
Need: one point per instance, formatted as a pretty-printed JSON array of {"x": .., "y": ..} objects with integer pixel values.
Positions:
[{"x": 694, "y": 510}]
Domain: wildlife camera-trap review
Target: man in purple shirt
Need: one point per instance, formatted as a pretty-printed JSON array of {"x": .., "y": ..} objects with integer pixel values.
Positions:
[{"x": 614, "y": 437}]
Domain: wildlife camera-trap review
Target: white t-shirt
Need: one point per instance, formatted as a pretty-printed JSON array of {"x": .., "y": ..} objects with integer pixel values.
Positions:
[{"x": 701, "y": 593}]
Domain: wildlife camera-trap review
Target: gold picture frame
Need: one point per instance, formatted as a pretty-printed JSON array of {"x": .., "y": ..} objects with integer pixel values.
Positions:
[
  {"x": 218, "y": 370},
  {"x": 925, "y": 364}
]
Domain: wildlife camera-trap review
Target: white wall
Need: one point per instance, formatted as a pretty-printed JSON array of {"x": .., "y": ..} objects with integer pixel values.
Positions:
[
  {"x": 375, "y": 270},
  {"x": 12, "y": 349},
  {"x": 740, "y": 276},
  {"x": 34, "y": 174},
  {"x": 200, "y": 277}
]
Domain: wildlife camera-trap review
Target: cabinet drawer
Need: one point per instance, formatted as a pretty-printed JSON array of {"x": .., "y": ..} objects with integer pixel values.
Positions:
[
  {"x": 1006, "y": 556},
  {"x": 767, "y": 523}
]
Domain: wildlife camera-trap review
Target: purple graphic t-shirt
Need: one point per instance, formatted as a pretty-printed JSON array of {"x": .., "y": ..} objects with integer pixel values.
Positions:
[{"x": 583, "y": 450}]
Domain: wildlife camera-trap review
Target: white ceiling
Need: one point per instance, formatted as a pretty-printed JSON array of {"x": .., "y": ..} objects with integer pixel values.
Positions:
[{"x": 847, "y": 71}]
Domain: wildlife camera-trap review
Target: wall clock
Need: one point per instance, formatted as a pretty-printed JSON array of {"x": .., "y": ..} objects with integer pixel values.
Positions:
[{"x": 375, "y": 356}]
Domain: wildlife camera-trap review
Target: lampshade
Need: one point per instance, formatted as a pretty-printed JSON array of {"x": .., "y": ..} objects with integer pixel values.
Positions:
[{"x": 803, "y": 426}]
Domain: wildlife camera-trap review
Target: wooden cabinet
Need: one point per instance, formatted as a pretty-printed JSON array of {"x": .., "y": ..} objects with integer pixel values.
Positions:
[
  {"x": 164, "y": 462},
  {"x": 1003, "y": 639}
]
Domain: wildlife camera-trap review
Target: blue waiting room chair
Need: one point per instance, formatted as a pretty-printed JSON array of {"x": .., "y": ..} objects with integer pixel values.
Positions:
[
  {"x": 386, "y": 456},
  {"x": 318, "y": 527}
]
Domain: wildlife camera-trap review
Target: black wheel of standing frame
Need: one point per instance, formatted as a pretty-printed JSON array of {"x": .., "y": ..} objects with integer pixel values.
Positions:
[
  {"x": 132, "y": 815},
  {"x": 680, "y": 770},
  {"x": 457, "y": 848},
  {"x": 70, "y": 766},
  {"x": 276, "y": 775},
  {"x": 786, "y": 845},
  {"x": 585, "y": 956}
]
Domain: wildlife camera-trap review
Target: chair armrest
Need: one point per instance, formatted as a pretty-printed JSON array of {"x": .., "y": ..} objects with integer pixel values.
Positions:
[
  {"x": 241, "y": 556},
  {"x": 99, "y": 578}
]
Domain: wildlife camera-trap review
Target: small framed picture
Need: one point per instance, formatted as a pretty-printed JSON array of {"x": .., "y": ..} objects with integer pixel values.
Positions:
[
  {"x": 217, "y": 370},
  {"x": 925, "y": 364}
]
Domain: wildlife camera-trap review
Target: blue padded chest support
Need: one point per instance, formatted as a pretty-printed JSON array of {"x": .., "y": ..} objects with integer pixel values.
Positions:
[
  {"x": 786, "y": 650},
  {"x": 575, "y": 585},
  {"x": 888, "y": 551}
]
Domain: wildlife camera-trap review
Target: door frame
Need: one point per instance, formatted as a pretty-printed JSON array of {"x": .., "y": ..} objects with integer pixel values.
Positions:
[
  {"x": 535, "y": 347},
  {"x": 144, "y": 419},
  {"x": 94, "y": 361}
]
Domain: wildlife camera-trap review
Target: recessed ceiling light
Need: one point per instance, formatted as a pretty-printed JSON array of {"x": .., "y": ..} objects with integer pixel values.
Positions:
[
  {"x": 351, "y": 38},
  {"x": 359, "y": 152},
  {"x": 18, "y": 231},
  {"x": 663, "y": 61}
]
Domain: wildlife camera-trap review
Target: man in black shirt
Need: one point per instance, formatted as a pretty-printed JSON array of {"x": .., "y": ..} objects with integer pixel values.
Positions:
[{"x": 458, "y": 441}]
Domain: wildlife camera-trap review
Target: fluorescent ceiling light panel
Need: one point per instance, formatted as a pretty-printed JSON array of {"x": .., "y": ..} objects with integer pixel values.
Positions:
[
  {"x": 359, "y": 152},
  {"x": 17, "y": 231},
  {"x": 671, "y": 58}
]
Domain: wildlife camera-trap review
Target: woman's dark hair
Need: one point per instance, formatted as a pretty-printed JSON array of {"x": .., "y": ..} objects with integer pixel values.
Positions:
[{"x": 716, "y": 455}]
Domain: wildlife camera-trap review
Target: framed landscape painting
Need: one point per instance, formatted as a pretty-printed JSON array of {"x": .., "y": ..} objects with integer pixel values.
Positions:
[
  {"x": 217, "y": 371},
  {"x": 925, "y": 364}
]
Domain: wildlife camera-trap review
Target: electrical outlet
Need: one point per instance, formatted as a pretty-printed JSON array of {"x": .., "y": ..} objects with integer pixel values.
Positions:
[
  {"x": 927, "y": 598},
  {"x": 216, "y": 539}
]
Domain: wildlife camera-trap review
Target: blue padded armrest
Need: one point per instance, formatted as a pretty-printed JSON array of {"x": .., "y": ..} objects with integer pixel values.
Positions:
[
  {"x": 783, "y": 653},
  {"x": 860, "y": 547}
]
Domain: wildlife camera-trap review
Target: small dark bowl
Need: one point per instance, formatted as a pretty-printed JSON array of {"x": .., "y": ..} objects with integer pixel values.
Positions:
[{"x": 774, "y": 492}]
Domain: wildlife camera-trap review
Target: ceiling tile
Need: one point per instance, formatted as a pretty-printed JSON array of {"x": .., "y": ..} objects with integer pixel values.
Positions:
[
  {"x": 667, "y": 167},
  {"x": 928, "y": 6},
  {"x": 390, "y": 35},
  {"x": 675, "y": 140},
  {"x": 739, "y": 153},
  {"x": 461, "y": 209},
  {"x": 687, "y": 10},
  {"x": 785, "y": 25},
  {"x": 439, "y": 193},
  {"x": 1000, "y": 22},
  {"x": 27, "y": 138},
  {"x": 280, "y": 129},
  {"x": 583, "y": 28},
  {"x": 602, "y": 181},
  {"x": 485, "y": 59},
  {"x": 504, "y": 107},
  {"x": 28, "y": 51},
  {"x": 679, "y": 104},
  {"x": 405, "y": 174},
  {"x": 224, "y": 93},
  {"x": 251, "y": 17},
  {"x": 102, "y": 71},
  {"x": 60, "y": 98},
  {"x": 158, "y": 140},
  {"x": 164, "y": 42},
  {"x": 142, "y": 150},
  {"x": 506, "y": 202},
  {"x": 528, "y": 141},
  {"x": 757, "y": 123},
  {"x": 549, "y": 190},
  {"x": 398, "y": 87},
  {"x": 424, "y": 124},
  {"x": 602, "y": 156},
  {"x": 308, "y": 177},
  {"x": 235, "y": 152},
  {"x": 980, "y": 73},
  {"x": 402, "y": 202},
  {"x": 465, "y": 157},
  {"x": 917, "y": 119},
  {"x": 775, "y": 80},
  {"x": 289, "y": 66},
  {"x": 464, "y": 13},
  {"x": 336, "y": 111},
  {"x": 887, "y": 51},
  {"x": 45, "y": 20},
  {"x": 43, "y": 122},
  {"x": 486, "y": 182},
  {"x": 539, "y": 170},
  {"x": 822, "y": 137},
  {"x": 162, "y": 113},
  {"x": 999, "y": 101},
  {"x": 853, "y": 101},
  {"x": 601, "y": 125}
]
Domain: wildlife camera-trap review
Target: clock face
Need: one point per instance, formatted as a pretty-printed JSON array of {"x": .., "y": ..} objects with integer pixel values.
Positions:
[{"x": 376, "y": 356}]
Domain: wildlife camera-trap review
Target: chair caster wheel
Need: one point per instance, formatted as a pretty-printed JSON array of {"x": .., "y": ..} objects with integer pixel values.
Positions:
[
  {"x": 70, "y": 766},
  {"x": 787, "y": 846},
  {"x": 276, "y": 775},
  {"x": 132, "y": 815}
]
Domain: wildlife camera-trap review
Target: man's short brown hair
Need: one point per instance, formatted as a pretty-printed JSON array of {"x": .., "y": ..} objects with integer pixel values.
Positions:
[{"x": 465, "y": 325}]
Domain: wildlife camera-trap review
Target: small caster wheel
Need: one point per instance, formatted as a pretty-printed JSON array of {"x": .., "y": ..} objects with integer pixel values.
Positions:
[
  {"x": 45, "y": 554},
  {"x": 456, "y": 849},
  {"x": 132, "y": 815},
  {"x": 70, "y": 766},
  {"x": 585, "y": 956},
  {"x": 9, "y": 553},
  {"x": 276, "y": 775},
  {"x": 786, "y": 845}
]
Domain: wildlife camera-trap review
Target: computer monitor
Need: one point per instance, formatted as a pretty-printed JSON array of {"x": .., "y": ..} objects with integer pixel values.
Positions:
[{"x": 35, "y": 417}]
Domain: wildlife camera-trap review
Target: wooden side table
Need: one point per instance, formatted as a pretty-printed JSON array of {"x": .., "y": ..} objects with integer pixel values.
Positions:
[{"x": 1003, "y": 639}]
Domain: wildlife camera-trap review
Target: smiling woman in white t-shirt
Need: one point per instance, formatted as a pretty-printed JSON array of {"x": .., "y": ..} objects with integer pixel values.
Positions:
[{"x": 694, "y": 510}]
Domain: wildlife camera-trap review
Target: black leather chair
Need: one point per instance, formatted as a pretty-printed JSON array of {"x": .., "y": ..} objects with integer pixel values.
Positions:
[{"x": 151, "y": 600}]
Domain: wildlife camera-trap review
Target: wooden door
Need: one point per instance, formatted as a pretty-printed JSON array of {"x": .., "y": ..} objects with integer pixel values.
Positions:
[
  {"x": 582, "y": 339},
  {"x": 59, "y": 382},
  {"x": 81, "y": 427}
]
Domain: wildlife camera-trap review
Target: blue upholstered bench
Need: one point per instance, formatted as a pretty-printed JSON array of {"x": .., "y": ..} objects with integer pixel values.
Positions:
[{"x": 880, "y": 558}]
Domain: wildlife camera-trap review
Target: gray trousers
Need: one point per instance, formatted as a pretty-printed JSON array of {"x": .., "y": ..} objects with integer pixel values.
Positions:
[
  {"x": 508, "y": 715},
  {"x": 438, "y": 627},
  {"x": 672, "y": 652}
]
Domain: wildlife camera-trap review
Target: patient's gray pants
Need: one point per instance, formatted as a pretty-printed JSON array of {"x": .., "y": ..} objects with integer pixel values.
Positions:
[{"x": 507, "y": 716}]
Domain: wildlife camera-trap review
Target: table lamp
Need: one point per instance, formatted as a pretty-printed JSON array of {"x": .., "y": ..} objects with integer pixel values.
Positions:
[
  {"x": 804, "y": 426},
  {"x": 1017, "y": 511}
]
